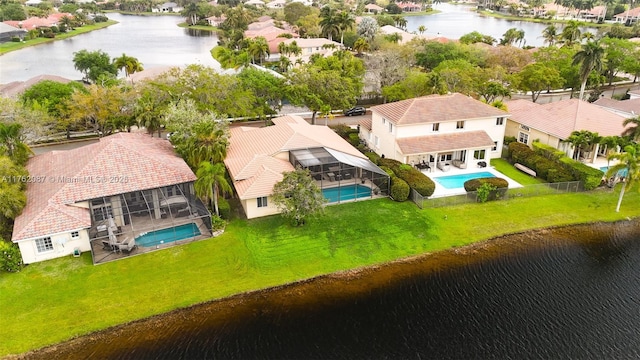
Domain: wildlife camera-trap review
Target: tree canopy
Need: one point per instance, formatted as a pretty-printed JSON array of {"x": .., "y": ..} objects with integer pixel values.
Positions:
[{"x": 298, "y": 197}]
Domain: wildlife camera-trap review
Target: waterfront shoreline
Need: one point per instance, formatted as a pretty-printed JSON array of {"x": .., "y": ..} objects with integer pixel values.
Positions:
[{"x": 320, "y": 289}]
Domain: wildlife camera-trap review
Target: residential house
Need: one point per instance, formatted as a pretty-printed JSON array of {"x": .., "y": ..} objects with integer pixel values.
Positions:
[
  {"x": 628, "y": 16},
  {"x": 256, "y": 3},
  {"x": 409, "y": 7},
  {"x": 106, "y": 197},
  {"x": 36, "y": 22},
  {"x": 14, "y": 89},
  {"x": 8, "y": 32},
  {"x": 373, "y": 9},
  {"x": 628, "y": 108},
  {"x": 276, "y": 4},
  {"x": 265, "y": 27},
  {"x": 311, "y": 46},
  {"x": 168, "y": 7},
  {"x": 216, "y": 20},
  {"x": 553, "y": 123},
  {"x": 257, "y": 158},
  {"x": 436, "y": 130},
  {"x": 552, "y": 8},
  {"x": 595, "y": 13}
]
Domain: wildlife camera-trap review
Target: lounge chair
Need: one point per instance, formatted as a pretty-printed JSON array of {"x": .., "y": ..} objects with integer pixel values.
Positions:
[
  {"x": 459, "y": 164},
  {"x": 127, "y": 245},
  {"x": 443, "y": 166}
]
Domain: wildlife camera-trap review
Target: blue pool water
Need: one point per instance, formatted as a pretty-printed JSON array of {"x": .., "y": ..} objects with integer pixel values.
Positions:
[
  {"x": 457, "y": 181},
  {"x": 347, "y": 192},
  {"x": 622, "y": 173},
  {"x": 153, "y": 238}
]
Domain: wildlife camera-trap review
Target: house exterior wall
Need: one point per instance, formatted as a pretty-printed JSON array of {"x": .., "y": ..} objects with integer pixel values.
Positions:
[
  {"x": 252, "y": 210},
  {"x": 63, "y": 245},
  {"x": 387, "y": 133},
  {"x": 515, "y": 129}
]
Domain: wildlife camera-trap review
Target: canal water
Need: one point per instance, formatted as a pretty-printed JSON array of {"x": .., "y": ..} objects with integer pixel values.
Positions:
[{"x": 566, "y": 293}]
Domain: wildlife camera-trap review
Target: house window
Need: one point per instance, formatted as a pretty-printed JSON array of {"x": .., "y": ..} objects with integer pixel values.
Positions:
[
  {"x": 460, "y": 125},
  {"x": 384, "y": 121},
  {"x": 44, "y": 244},
  {"x": 446, "y": 157},
  {"x": 524, "y": 127},
  {"x": 102, "y": 212},
  {"x": 523, "y": 138},
  {"x": 376, "y": 140},
  {"x": 478, "y": 154},
  {"x": 495, "y": 146},
  {"x": 74, "y": 234},
  {"x": 390, "y": 127},
  {"x": 500, "y": 121},
  {"x": 262, "y": 201},
  {"x": 435, "y": 127}
]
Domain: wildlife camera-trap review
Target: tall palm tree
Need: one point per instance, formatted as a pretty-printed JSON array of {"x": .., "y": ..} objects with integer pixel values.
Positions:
[
  {"x": 589, "y": 58},
  {"x": 258, "y": 49},
  {"x": 633, "y": 131},
  {"x": 612, "y": 143},
  {"x": 345, "y": 22},
  {"x": 571, "y": 33},
  {"x": 129, "y": 64},
  {"x": 422, "y": 29},
  {"x": 211, "y": 180},
  {"x": 629, "y": 160},
  {"x": 550, "y": 34},
  {"x": 208, "y": 141},
  {"x": 329, "y": 22},
  {"x": 284, "y": 64},
  {"x": 361, "y": 45}
]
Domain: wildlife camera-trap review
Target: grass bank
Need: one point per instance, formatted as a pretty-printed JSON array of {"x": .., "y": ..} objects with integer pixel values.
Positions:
[
  {"x": 538, "y": 20},
  {"x": 12, "y": 46},
  {"x": 198, "y": 27},
  {"x": 56, "y": 300}
]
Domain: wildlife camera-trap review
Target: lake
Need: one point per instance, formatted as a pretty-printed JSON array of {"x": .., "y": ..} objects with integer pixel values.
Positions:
[
  {"x": 564, "y": 293},
  {"x": 157, "y": 41}
]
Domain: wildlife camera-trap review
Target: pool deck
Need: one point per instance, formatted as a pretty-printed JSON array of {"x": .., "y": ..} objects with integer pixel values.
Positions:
[{"x": 441, "y": 191}]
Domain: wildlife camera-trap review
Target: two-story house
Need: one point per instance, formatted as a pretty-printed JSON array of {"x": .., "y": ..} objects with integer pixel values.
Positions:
[{"x": 436, "y": 130}]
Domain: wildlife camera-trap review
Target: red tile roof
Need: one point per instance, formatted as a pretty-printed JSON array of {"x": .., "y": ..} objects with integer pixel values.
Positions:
[
  {"x": 436, "y": 108},
  {"x": 444, "y": 142},
  {"x": 629, "y": 106},
  {"x": 35, "y": 22},
  {"x": 257, "y": 157},
  {"x": 561, "y": 118},
  {"x": 118, "y": 164}
]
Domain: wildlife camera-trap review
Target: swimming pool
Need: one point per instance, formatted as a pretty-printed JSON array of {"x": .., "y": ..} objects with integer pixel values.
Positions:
[
  {"x": 347, "y": 192},
  {"x": 163, "y": 236},
  {"x": 621, "y": 173},
  {"x": 457, "y": 181}
]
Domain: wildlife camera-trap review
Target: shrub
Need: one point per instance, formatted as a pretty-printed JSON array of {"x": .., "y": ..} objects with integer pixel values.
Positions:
[
  {"x": 342, "y": 130},
  {"x": 399, "y": 189},
  {"x": 15, "y": 39},
  {"x": 10, "y": 257},
  {"x": 217, "y": 223},
  {"x": 548, "y": 151},
  {"x": 416, "y": 180},
  {"x": 509, "y": 139},
  {"x": 475, "y": 184},
  {"x": 375, "y": 158},
  {"x": 102, "y": 18},
  {"x": 591, "y": 177},
  {"x": 484, "y": 191},
  {"x": 518, "y": 152},
  {"x": 354, "y": 139},
  {"x": 224, "y": 208},
  {"x": 559, "y": 175}
]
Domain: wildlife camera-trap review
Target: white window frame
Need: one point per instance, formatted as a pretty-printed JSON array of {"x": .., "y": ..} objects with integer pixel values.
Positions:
[
  {"x": 435, "y": 127},
  {"x": 391, "y": 127},
  {"x": 495, "y": 146},
  {"x": 262, "y": 202},
  {"x": 460, "y": 125},
  {"x": 523, "y": 138},
  {"x": 479, "y": 154},
  {"x": 75, "y": 234},
  {"x": 500, "y": 121},
  {"x": 44, "y": 245}
]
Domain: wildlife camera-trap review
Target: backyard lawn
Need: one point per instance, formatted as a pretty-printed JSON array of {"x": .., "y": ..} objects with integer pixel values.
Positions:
[
  {"x": 518, "y": 176},
  {"x": 55, "y": 300}
]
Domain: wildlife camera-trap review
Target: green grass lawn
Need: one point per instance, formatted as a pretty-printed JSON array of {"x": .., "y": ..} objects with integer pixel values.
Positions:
[
  {"x": 55, "y": 300},
  {"x": 12, "y": 46},
  {"x": 538, "y": 20},
  {"x": 516, "y": 175}
]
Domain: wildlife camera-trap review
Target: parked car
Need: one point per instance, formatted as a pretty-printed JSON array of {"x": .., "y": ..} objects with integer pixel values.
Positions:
[{"x": 358, "y": 110}]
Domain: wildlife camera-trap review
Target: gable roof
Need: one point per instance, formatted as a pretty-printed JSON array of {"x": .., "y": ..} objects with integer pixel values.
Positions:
[
  {"x": 561, "y": 118},
  {"x": 257, "y": 157},
  {"x": 117, "y": 164},
  {"x": 444, "y": 142},
  {"x": 436, "y": 108},
  {"x": 631, "y": 107}
]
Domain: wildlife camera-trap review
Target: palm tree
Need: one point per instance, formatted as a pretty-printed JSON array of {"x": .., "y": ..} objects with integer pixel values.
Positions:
[
  {"x": 11, "y": 143},
  {"x": 550, "y": 34},
  {"x": 211, "y": 180},
  {"x": 589, "y": 58},
  {"x": 329, "y": 22},
  {"x": 148, "y": 114},
  {"x": 258, "y": 49},
  {"x": 67, "y": 22},
  {"x": 520, "y": 37},
  {"x": 345, "y": 22},
  {"x": 191, "y": 13},
  {"x": 284, "y": 64},
  {"x": 422, "y": 29},
  {"x": 571, "y": 33},
  {"x": 208, "y": 141},
  {"x": 361, "y": 45},
  {"x": 400, "y": 21},
  {"x": 633, "y": 131},
  {"x": 294, "y": 49},
  {"x": 129, "y": 64},
  {"x": 612, "y": 143},
  {"x": 629, "y": 160}
]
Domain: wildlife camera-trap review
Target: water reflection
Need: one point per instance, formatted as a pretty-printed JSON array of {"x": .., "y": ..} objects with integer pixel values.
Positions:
[{"x": 538, "y": 295}]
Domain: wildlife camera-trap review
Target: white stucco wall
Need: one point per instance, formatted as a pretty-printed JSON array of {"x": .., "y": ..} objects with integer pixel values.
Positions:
[
  {"x": 252, "y": 210},
  {"x": 63, "y": 245}
]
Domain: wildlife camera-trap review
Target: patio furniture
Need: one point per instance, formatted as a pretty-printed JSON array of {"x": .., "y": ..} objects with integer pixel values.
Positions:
[
  {"x": 127, "y": 245},
  {"x": 423, "y": 166},
  {"x": 443, "y": 166},
  {"x": 332, "y": 176},
  {"x": 482, "y": 164},
  {"x": 346, "y": 175},
  {"x": 459, "y": 164}
]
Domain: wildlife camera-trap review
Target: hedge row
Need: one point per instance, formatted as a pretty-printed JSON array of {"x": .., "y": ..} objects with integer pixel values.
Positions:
[
  {"x": 414, "y": 178},
  {"x": 474, "y": 184},
  {"x": 591, "y": 177},
  {"x": 545, "y": 168}
]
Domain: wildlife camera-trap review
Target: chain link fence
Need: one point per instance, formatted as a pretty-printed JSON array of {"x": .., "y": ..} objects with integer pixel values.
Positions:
[{"x": 472, "y": 197}]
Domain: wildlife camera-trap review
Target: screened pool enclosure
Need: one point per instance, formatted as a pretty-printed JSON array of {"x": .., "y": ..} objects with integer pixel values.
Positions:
[
  {"x": 146, "y": 220},
  {"x": 335, "y": 169}
]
